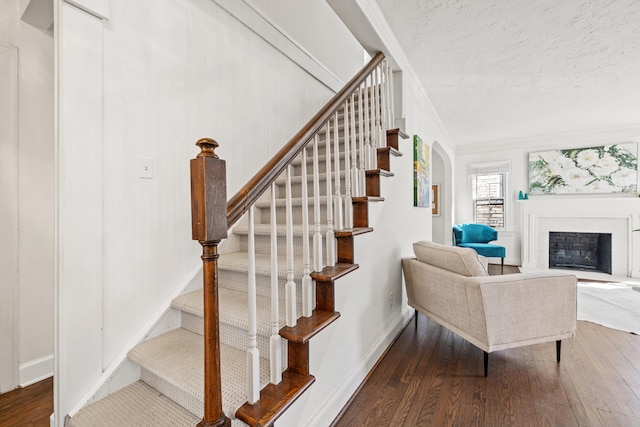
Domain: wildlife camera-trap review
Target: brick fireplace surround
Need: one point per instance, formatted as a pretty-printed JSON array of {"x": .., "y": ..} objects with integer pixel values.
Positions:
[{"x": 580, "y": 251}]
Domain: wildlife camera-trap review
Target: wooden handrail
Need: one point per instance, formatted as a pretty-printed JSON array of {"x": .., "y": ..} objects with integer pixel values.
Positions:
[{"x": 256, "y": 186}]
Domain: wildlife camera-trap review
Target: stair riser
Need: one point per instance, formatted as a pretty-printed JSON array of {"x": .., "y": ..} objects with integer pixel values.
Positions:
[
  {"x": 356, "y": 118},
  {"x": 263, "y": 244},
  {"x": 229, "y": 334},
  {"x": 296, "y": 170},
  {"x": 191, "y": 403},
  {"x": 322, "y": 131},
  {"x": 322, "y": 151},
  {"x": 264, "y": 215},
  {"x": 296, "y": 187},
  {"x": 237, "y": 281},
  {"x": 322, "y": 148}
]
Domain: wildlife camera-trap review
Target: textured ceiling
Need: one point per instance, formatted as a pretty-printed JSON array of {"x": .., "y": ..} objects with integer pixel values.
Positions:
[{"x": 500, "y": 70}]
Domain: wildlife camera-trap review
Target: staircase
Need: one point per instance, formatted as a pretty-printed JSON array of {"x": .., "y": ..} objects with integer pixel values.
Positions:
[{"x": 171, "y": 388}]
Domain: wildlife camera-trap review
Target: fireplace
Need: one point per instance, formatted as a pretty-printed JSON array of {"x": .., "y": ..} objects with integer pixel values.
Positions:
[{"x": 580, "y": 251}]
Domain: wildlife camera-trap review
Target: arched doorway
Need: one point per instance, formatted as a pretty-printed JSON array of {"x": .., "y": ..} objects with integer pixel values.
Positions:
[{"x": 442, "y": 176}]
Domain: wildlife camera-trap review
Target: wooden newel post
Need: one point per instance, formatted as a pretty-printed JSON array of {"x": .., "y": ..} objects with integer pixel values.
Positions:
[{"x": 209, "y": 227}]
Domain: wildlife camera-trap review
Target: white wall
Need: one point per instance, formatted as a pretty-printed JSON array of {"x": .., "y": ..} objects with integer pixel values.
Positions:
[
  {"x": 314, "y": 25},
  {"x": 8, "y": 217},
  {"x": 148, "y": 83},
  {"x": 517, "y": 153},
  {"x": 36, "y": 191}
]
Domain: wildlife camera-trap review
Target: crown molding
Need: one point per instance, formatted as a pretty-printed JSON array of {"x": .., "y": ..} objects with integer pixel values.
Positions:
[{"x": 554, "y": 140}]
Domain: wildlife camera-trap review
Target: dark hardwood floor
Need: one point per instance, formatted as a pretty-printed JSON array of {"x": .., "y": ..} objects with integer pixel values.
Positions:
[
  {"x": 27, "y": 407},
  {"x": 432, "y": 377}
]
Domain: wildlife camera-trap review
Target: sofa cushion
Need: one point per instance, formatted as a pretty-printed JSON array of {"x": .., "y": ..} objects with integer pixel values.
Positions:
[{"x": 464, "y": 261}]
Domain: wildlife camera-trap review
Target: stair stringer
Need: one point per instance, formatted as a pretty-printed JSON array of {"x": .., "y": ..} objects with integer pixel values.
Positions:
[{"x": 342, "y": 355}]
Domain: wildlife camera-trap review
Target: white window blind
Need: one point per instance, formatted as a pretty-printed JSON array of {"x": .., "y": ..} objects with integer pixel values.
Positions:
[{"x": 489, "y": 198}]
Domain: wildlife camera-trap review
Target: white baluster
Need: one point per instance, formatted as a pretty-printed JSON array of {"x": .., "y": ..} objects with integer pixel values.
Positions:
[
  {"x": 354, "y": 148},
  {"x": 392, "y": 108},
  {"x": 378, "y": 88},
  {"x": 387, "y": 95},
  {"x": 253, "y": 354},
  {"x": 307, "y": 283},
  {"x": 367, "y": 127},
  {"x": 331, "y": 241},
  {"x": 317, "y": 236},
  {"x": 348, "y": 204},
  {"x": 375, "y": 129},
  {"x": 290, "y": 288},
  {"x": 337, "y": 198},
  {"x": 383, "y": 102},
  {"x": 387, "y": 75},
  {"x": 379, "y": 113},
  {"x": 374, "y": 106},
  {"x": 362, "y": 190},
  {"x": 275, "y": 341}
]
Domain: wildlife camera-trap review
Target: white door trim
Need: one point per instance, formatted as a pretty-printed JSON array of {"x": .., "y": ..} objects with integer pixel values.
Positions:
[{"x": 8, "y": 217}]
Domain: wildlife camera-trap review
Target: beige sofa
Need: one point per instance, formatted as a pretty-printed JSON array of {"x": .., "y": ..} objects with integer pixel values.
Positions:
[{"x": 451, "y": 286}]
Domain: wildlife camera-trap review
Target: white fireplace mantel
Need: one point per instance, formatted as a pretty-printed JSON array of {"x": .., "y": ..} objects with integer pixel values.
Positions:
[{"x": 615, "y": 215}]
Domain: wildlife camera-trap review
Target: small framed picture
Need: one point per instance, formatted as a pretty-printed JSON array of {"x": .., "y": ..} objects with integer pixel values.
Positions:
[{"x": 435, "y": 200}]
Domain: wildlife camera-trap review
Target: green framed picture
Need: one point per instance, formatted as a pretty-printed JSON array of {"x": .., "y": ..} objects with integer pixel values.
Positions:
[{"x": 421, "y": 186}]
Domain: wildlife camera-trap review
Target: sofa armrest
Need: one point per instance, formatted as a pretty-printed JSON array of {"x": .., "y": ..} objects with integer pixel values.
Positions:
[{"x": 527, "y": 308}]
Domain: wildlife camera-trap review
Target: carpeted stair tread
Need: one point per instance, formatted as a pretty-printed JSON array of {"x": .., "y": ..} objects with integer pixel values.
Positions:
[
  {"x": 191, "y": 302},
  {"x": 238, "y": 261},
  {"x": 177, "y": 358},
  {"x": 233, "y": 308},
  {"x": 137, "y": 405}
]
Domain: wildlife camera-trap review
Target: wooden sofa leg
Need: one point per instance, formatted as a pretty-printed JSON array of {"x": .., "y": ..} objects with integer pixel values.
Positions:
[
  {"x": 558, "y": 345},
  {"x": 415, "y": 319},
  {"x": 501, "y": 265},
  {"x": 486, "y": 364}
]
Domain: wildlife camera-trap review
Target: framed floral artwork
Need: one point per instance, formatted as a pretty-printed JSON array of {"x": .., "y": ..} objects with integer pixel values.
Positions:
[{"x": 601, "y": 169}]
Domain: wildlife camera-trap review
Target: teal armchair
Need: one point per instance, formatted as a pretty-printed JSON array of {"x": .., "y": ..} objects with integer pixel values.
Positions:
[{"x": 477, "y": 237}]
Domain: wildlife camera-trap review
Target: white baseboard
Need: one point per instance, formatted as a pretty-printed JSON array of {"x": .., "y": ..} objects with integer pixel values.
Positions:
[
  {"x": 36, "y": 370},
  {"x": 335, "y": 402}
]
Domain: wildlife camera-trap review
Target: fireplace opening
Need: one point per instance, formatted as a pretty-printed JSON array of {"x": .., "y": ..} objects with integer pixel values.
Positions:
[{"x": 580, "y": 251}]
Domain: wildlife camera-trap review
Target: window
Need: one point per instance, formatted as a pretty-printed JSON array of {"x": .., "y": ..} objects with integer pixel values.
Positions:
[{"x": 488, "y": 199}]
